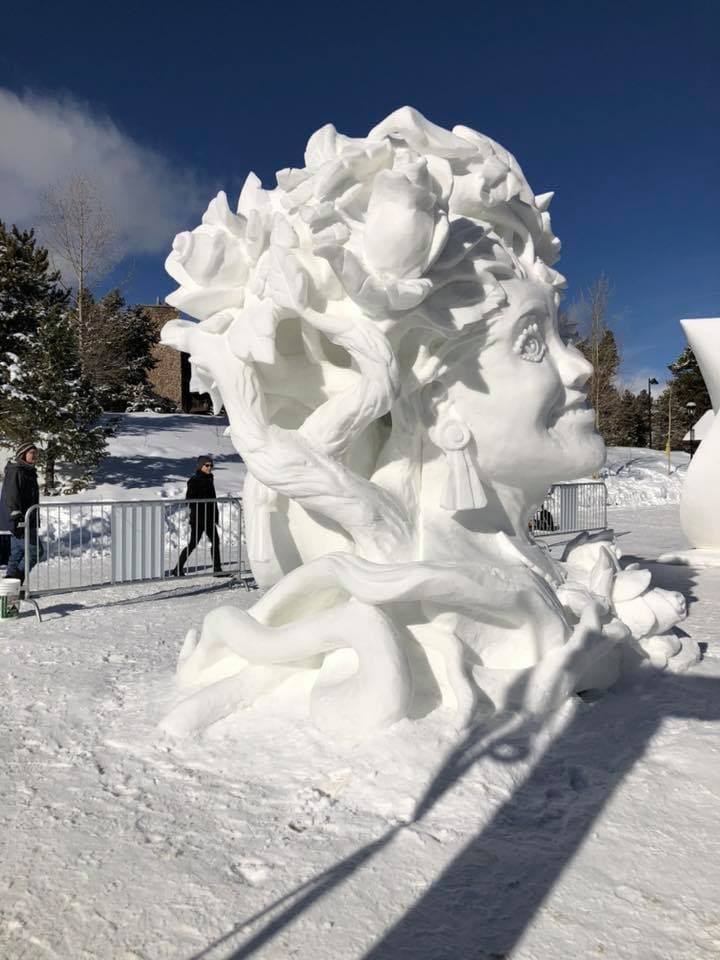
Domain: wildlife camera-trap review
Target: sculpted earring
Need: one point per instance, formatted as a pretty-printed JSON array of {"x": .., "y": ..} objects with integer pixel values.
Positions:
[{"x": 463, "y": 488}]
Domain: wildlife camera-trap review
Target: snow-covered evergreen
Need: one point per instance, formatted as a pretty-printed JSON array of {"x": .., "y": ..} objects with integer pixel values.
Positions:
[
  {"x": 116, "y": 352},
  {"x": 26, "y": 281},
  {"x": 44, "y": 395}
]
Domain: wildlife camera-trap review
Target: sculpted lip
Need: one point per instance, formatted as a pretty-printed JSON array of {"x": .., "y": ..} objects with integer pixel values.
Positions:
[
  {"x": 575, "y": 400},
  {"x": 578, "y": 405}
]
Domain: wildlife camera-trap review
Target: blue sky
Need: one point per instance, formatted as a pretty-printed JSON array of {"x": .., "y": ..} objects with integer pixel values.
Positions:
[{"x": 615, "y": 106}]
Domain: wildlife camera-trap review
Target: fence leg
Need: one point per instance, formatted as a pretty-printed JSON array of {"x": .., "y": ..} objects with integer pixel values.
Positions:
[{"x": 34, "y": 605}]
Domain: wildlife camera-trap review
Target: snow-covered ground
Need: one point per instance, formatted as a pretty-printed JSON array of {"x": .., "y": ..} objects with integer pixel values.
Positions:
[
  {"x": 152, "y": 455},
  {"x": 593, "y": 836}
]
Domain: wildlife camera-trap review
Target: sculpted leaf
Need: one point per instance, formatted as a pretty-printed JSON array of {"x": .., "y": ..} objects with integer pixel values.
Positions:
[{"x": 287, "y": 282}]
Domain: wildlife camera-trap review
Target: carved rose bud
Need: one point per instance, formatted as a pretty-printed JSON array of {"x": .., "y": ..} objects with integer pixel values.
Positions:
[
  {"x": 653, "y": 612},
  {"x": 404, "y": 230},
  {"x": 642, "y": 608},
  {"x": 198, "y": 255},
  {"x": 206, "y": 256}
]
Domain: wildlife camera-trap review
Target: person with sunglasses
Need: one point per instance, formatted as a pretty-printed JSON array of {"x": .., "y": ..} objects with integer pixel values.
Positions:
[{"x": 203, "y": 516}]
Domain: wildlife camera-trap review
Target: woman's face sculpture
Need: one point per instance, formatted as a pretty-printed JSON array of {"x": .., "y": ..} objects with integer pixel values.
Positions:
[
  {"x": 410, "y": 273},
  {"x": 523, "y": 398}
]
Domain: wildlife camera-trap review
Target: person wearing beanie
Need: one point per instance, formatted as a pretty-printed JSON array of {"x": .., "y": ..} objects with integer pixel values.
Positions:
[
  {"x": 203, "y": 516},
  {"x": 20, "y": 492},
  {"x": 23, "y": 449}
]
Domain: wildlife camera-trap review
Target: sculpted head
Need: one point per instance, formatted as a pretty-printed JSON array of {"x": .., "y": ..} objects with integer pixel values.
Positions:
[
  {"x": 520, "y": 389},
  {"x": 382, "y": 330},
  {"x": 435, "y": 239}
]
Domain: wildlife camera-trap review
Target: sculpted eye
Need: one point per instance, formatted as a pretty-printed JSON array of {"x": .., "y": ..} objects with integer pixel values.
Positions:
[{"x": 530, "y": 345}]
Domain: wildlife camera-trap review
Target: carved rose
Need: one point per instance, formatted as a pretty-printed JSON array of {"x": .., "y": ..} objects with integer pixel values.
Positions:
[
  {"x": 645, "y": 610},
  {"x": 404, "y": 230},
  {"x": 381, "y": 221},
  {"x": 207, "y": 256},
  {"x": 652, "y": 612},
  {"x": 211, "y": 263}
]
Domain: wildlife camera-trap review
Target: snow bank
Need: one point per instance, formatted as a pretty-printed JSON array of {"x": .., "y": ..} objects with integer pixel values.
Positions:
[{"x": 636, "y": 476}]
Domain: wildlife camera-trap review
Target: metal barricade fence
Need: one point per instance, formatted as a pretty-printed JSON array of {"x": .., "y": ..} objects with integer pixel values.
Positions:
[
  {"x": 572, "y": 508},
  {"x": 101, "y": 543}
]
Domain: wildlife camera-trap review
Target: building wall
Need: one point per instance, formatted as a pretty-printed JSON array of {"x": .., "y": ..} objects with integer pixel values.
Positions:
[
  {"x": 167, "y": 376},
  {"x": 170, "y": 377}
]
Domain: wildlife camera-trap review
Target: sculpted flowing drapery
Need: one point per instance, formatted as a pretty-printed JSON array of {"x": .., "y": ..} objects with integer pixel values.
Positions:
[{"x": 382, "y": 331}]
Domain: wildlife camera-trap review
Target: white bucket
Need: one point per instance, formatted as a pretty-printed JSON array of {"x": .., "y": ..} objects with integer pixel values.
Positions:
[{"x": 9, "y": 593}]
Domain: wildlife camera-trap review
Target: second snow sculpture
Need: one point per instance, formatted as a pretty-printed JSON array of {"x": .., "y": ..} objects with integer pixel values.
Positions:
[
  {"x": 382, "y": 331},
  {"x": 700, "y": 502}
]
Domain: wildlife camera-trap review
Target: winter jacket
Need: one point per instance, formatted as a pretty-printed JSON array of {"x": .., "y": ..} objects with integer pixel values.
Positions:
[
  {"x": 20, "y": 491},
  {"x": 4, "y": 514},
  {"x": 201, "y": 487}
]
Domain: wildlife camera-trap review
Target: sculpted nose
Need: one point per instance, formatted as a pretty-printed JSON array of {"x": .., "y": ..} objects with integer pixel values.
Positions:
[{"x": 575, "y": 370}]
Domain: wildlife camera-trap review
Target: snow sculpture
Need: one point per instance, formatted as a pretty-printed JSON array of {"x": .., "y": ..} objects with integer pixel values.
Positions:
[
  {"x": 382, "y": 331},
  {"x": 700, "y": 500}
]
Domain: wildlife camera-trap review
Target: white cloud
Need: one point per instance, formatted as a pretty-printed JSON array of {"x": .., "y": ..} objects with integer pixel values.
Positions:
[{"x": 45, "y": 140}]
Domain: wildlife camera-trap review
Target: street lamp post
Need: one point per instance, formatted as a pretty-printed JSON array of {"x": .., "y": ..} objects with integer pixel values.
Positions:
[
  {"x": 651, "y": 381},
  {"x": 691, "y": 406}
]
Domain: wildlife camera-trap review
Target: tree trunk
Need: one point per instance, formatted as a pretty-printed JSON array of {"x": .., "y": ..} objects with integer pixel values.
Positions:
[
  {"x": 81, "y": 282},
  {"x": 49, "y": 483}
]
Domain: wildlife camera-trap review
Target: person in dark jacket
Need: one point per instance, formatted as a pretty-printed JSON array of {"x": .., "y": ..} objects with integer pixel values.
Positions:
[
  {"x": 543, "y": 520},
  {"x": 4, "y": 531},
  {"x": 4, "y": 534},
  {"x": 203, "y": 516},
  {"x": 20, "y": 492}
]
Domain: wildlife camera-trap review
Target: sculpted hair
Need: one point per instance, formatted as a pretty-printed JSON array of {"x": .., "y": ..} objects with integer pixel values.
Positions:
[
  {"x": 401, "y": 228},
  {"x": 327, "y": 303}
]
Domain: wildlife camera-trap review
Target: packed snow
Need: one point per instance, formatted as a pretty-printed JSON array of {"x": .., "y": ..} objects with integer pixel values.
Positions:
[
  {"x": 636, "y": 476},
  {"x": 592, "y": 835}
]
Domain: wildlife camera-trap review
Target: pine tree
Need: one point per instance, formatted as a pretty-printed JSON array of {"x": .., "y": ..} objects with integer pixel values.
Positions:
[
  {"x": 629, "y": 424},
  {"x": 26, "y": 280},
  {"x": 43, "y": 394},
  {"x": 686, "y": 385},
  {"x": 117, "y": 351}
]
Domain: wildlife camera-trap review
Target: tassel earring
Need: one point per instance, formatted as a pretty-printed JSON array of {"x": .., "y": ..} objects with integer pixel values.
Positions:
[
  {"x": 463, "y": 487},
  {"x": 264, "y": 503}
]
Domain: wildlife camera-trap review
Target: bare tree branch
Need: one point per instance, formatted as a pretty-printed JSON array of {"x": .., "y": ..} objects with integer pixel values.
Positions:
[{"x": 79, "y": 231}]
